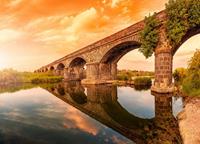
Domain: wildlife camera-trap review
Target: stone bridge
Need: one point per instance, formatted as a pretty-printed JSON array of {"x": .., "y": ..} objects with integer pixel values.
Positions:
[
  {"x": 97, "y": 63},
  {"x": 101, "y": 103}
]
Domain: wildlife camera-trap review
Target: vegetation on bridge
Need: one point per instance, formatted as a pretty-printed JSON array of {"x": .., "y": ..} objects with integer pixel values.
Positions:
[
  {"x": 183, "y": 15},
  {"x": 149, "y": 36},
  {"x": 189, "y": 79}
]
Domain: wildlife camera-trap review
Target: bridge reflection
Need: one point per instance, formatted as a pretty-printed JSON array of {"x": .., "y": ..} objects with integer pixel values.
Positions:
[{"x": 101, "y": 103}]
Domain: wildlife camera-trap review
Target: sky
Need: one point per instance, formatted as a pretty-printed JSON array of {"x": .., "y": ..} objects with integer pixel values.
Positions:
[{"x": 34, "y": 33}]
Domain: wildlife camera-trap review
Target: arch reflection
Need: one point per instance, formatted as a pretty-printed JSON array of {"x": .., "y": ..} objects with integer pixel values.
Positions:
[{"x": 101, "y": 103}]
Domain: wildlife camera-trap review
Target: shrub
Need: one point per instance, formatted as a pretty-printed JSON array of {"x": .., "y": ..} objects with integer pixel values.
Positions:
[
  {"x": 123, "y": 77},
  {"x": 194, "y": 63},
  {"x": 191, "y": 84},
  {"x": 142, "y": 81},
  {"x": 179, "y": 74}
]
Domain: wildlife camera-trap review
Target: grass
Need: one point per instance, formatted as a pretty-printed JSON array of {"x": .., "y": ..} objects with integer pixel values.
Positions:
[{"x": 10, "y": 76}]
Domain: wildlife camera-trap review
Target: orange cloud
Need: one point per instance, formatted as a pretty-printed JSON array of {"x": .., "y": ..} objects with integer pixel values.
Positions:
[
  {"x": 40, "y": 31},
  {"x": 79, "y": 121}
]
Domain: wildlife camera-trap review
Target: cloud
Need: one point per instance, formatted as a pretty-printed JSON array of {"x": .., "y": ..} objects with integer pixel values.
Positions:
[
  {"x": 9, "y": 35},
  {"x": 83, "y": 21},
  {"x": 61, "y": 27},
  {"x": 115, "y": 2},
  {"x": 74, "y": 119}
]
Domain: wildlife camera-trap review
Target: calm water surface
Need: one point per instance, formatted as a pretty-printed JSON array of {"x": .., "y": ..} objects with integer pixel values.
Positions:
[{"x": 72, "y": 113}]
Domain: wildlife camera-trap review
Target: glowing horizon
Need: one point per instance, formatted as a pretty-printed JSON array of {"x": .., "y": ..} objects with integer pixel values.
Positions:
[{"x": 36, "y": 32}]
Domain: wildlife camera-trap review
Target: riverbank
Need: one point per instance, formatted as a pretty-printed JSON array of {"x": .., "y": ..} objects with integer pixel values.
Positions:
[
  {"x": 10, "y": 76},
  {"x": 189, "y": 121}
]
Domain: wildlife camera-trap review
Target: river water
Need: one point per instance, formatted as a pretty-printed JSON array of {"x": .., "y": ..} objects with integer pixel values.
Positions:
[{"x": 69, "y": 113}]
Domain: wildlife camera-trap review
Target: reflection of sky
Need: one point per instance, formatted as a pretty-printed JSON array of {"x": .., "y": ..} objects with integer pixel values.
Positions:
[
  {"x": 177, "y": 105},
  {"x": 36, "y": 116},
  {"x": 142, "y": 103},
  {"x": 138, "y": 103}
]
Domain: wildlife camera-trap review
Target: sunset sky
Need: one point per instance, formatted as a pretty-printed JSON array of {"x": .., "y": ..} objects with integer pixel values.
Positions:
[{"x": 34, "y": 33}]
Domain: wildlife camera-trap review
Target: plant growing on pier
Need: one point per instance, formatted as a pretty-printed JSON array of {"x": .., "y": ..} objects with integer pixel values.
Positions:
[
  {"x": 182, "y": 16},
  {"x": 194, "y": 13},
  {"x": 149, "y": 36}
]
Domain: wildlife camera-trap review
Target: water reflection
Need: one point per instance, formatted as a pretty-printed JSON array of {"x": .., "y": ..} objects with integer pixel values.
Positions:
[
  {"x": 101, "y": 103},
  {"x": 67, "y": 113}
]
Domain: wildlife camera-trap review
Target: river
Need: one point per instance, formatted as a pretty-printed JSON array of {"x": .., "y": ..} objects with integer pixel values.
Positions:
[{"x": 75, "y": 114}]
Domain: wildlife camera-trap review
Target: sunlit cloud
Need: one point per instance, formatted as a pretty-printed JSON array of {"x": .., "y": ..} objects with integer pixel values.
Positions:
[
  {"x": 77, "y": 120},
  {"x": 36, "y": 32}
]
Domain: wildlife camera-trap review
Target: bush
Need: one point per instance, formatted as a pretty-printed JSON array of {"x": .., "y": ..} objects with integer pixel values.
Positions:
[
  {"x": 191, "y": 84},
  {"x": 122, "y": 77},
  {"x": 179, "y": 75},
  {"x": 142, "y": 81}
]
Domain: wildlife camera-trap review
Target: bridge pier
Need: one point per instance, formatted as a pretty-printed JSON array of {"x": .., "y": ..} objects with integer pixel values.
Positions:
[
  {"x": 74, "y": 73},
  {"x": 100, "y": 73},
  {"x": 163, "y": 64},
  {"x": 92, "y": 74},
  {"x": 163, "y": 72}
]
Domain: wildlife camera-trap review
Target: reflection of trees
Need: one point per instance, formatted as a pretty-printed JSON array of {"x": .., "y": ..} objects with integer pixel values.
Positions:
[
  {"x": 16, "y": 87},
  {"x": 142, "y": 87}
]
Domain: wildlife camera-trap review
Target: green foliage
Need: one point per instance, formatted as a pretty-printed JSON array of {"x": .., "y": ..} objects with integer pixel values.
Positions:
[
  {"x": 177, "y": 24},
  {"x": 194, "y": 13},
  {"x": 191, "y": 84},
  {"x": 179, "y": 75},
  {"x": 194, "y": 63},
  {"x": 142, "y": 81},
  {"x": 10, "y": 76},
  {"x": 126, "y": 75},
  {"x": 182, "y": 16},
  {"x": 149, "y": 36},
  {"x": 123, "y": 77},
  {"x": 47, "y": 79}
]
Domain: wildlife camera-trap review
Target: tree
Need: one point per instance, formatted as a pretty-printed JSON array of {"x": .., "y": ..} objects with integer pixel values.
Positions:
[
  {"x": 179, "y": 74},
  {"x": 194, "y": 63},
  {"x": 191, "y": 83}
]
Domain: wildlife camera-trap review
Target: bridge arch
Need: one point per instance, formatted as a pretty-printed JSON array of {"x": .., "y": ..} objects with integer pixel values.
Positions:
[
  {"x": 114, "y": 54},
  {"x": 52, "y": 68},
  {"x": 108, "y": 63},
  {"x": 77, "y": 69},
  {"x": 191, "y": 33},
  {"x": 78, "y": 61},
  {"x": 60, "y": 66},
  {"x": 46, "y": 69}
]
